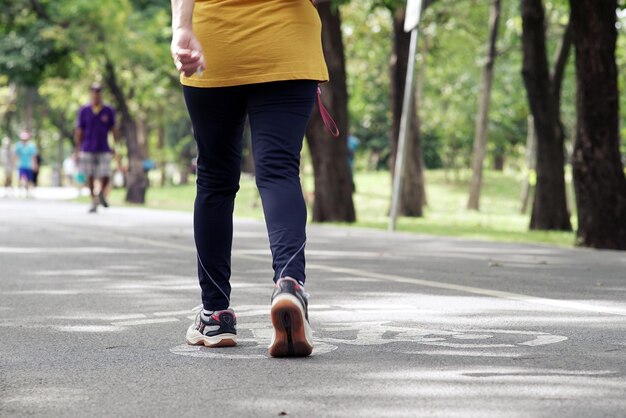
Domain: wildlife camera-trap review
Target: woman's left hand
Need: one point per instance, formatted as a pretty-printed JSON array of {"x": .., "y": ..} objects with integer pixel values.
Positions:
[{"x": 187, "y": 52}]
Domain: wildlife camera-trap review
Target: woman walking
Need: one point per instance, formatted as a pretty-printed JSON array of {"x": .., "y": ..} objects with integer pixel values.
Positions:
[{"x": 263, "y": 59}]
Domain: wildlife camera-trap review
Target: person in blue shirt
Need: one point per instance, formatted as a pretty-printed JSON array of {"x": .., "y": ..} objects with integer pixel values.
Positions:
[{"x": 26, "y": 153}]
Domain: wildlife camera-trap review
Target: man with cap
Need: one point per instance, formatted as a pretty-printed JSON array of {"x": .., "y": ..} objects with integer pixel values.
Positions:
[
  {"x": 95, "y": 121},
  {"x": 26, "y": 153}
]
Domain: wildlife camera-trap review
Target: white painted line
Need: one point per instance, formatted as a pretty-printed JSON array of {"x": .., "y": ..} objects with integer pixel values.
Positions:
[
  {"x": 264, "y": 311},
  {"x": 244, "y": 234},
  {"x": 146, "y": 286},
  {"x": 318, "y": 306},
  {"x": 173, "y": 313},
  {"x": 464, "y": 353},
  {"x": 320, "y": 253},
  {"x": 472, "y": 336},
  {"x": 243, "y": 285},
  {"x": 544, "y": 340},
  {"x": 161, "y": 244},
  {"x": 563, "y": 304},
  {"x": 45, "y": 292},
  {"x": 457, "y": 345},
  {"x": 89, "y": 328},
  {"x": 125, "y": 317},
  {"x": 502, "y": 331},
  {"x": 92, "y": 316},
  {"x": 355, "y": 279},
  {"x": 69, "y": 250},
  {"x": 144, "y": 322}
]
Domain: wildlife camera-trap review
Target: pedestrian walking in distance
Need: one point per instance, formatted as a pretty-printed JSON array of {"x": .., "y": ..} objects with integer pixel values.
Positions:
[
  {"x": 95, "y": 121},
  {"x": 263, "y": 59},
  {"x": 26, "y": 153}
]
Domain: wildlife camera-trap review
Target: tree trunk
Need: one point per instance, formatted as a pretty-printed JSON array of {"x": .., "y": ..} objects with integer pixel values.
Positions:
[
  {"x": 420, "y": 81},
  {"x": 143, "y": 133},
  {"x": 162, "y": 164},
  {"x": 12, "y": 97},
  {"x": 528, "y": 185},
  {"x": 184, "y": 174},
  {"x": 333, "y": 180},
  {"x": 599, "y": 178},
  {"x": 482, "y": 117},
  {"x": 420, "y": 78},
  {"x": 413, "y": 194},
  {"x": 549, "y": 210},
  {"x": 136, "y": 182},
  {"x": 498, "y": 159},
  {"x": 30, "y": 97}
]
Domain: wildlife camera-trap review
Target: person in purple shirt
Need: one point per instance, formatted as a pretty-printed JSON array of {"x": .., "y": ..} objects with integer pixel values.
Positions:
[{"x": 95, "y": 121}]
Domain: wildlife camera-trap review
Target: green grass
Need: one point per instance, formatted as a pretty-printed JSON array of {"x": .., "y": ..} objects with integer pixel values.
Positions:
[{"x": 499, "y": 218}]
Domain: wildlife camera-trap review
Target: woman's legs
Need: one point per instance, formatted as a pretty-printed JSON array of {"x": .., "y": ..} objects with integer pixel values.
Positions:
[
  {"x": 217, "y": 116},
  {"x": 279, "y": 113}
]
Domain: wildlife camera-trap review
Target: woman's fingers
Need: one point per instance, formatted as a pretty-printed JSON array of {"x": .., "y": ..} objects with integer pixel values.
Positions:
[
  {"x": 189, "y": 61},
  {"x": 187, "y": 53},
  {"x": 190, "y": 68},
  {"x": 186, "y": 56}
]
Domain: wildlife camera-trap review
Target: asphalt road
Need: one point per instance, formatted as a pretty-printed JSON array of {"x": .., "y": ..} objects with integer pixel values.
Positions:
[{"x": 93, "y": 312}]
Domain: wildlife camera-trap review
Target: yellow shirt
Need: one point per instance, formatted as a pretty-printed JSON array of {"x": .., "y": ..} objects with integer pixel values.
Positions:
[{"x": 257, "y": 41}]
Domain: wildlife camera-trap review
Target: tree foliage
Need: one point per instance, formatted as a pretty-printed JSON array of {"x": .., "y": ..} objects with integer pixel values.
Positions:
[{"x": 50, "y": 51}]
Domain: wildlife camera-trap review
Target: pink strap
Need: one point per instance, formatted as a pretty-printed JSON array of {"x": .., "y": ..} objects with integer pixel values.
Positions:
[{"x": 328, "y": 120}]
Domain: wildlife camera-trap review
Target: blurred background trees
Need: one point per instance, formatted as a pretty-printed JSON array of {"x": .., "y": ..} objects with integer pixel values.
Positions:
[{"x": 50, "y": 51}]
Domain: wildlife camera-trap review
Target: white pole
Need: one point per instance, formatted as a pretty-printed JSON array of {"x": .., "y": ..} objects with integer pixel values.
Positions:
[{"x": 404, "y": 131}]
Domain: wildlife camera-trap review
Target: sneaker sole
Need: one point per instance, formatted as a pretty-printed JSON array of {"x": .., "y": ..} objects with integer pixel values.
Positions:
[
  {"x": 224, "y": 340},
  {"x": 291, "y": 329}
]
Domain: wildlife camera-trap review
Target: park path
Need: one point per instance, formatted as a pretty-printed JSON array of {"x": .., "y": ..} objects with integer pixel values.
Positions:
[
  {"x": 93, "y": 311},
  {"x": 46, "y": 193}
]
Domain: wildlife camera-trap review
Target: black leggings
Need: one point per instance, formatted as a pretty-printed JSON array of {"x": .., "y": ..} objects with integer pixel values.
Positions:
[{"x": 278, "y": 112}]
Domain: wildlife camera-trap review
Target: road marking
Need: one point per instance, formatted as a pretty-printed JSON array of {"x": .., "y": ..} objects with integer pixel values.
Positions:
[
  {"x": 563, "y": 304},
  {"x": 144, "y": 322},
  {"x": 544, "y": 340},
  {"x": 539, "y": 375},
  {"x": 464, "y": 353},
  {"x": 126, "y": 317},
  {"x": 371, "y": 334},
  {"x": 375, "y": 332},
  {"x": 472, "y": 336},
  {"x": 89, "y": 328},
  {"x": 69, "y": 250},
  {"x": 323, "y": 253},
  {"x": 174, "y": 313},
  {"x": 246, "y": 348},
  {"x": 73, "y": 272},
  {"x": 51, "y": 292},
  {"x": 474, "y": 290},
  {"x": 458, "y": 345}
]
